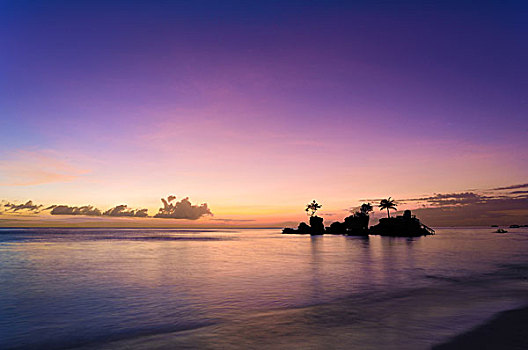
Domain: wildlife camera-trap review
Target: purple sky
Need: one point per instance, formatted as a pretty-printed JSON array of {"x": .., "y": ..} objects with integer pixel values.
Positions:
[{"x": 238, "y": 104}]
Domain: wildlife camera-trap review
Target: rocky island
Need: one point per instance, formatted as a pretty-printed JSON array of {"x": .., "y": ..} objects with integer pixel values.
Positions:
[{"x": 406, "y": 225}]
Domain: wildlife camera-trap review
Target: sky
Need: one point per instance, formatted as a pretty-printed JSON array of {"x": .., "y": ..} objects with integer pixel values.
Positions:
[{"x": 255, "y": 108}]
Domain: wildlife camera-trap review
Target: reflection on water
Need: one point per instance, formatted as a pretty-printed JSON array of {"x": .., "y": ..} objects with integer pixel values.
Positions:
[{"x": 239, "y": 289}]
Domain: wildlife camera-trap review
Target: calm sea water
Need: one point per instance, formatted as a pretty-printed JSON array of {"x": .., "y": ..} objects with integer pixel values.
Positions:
[{"x": 252, "y": 289}]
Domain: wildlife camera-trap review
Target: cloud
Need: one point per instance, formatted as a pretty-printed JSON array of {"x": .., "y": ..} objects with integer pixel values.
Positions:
[
  {"x": 328, "y": 213},
  {"x": 471, "y": 208},
  {"x": 489, "y": 211},
  {"x": 87, "y": 210},
  {"x": 371, "y": 200},
  {"x": 122, "y": 210},
  {"x": 233, "y": 220},
  {"x": 513, "y": 187},
  {"x": 28, "y": 206},
  {"x": 172, "y": 210},
  {"x": 449, "y": 199},
  {"x": 182, "y": 209}
]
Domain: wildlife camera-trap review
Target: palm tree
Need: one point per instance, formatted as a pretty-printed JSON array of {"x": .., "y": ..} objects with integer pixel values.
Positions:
[
  {"x": 365, "y": 208},
  {"x": 313, "y": 207},
  {"x": 387, "y": 204}
]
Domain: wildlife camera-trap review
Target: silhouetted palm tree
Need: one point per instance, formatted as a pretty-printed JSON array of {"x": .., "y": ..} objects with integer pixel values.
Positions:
[
  {"x": 313, "y": 207},
  {"x": 387, "y": 204},
  {"x": 365, "y": 208}
]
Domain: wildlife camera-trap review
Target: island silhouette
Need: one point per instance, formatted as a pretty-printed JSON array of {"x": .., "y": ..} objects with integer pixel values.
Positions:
[{"x": 357, "y": 224}]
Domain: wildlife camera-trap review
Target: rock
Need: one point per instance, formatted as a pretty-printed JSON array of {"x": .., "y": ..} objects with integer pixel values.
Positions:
[
  {"x": 288, "y": 230},
  {"x": 304, "y": 229},
  {"x": 357, "y": 225},
  {"x": 401, "y": 226},
  {"x": 316, "y": 225},
  {"x": 336, "y": 228}
]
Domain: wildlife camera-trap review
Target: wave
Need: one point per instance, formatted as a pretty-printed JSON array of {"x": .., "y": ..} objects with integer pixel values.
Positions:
[
  {"x": 99, "y": 340},
  {"x": 47, "y": 234},
  {"x": 506, "y": 330}
]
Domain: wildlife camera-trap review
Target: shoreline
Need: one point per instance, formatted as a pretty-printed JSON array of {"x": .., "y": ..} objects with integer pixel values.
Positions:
[{"x": 505, "y": 330}]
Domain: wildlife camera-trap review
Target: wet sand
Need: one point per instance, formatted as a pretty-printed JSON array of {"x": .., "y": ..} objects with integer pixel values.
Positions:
[{"x": 507, "y": 330}]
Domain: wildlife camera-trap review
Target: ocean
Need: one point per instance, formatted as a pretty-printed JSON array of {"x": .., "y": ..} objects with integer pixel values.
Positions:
[{"x": 252, "y": 288}]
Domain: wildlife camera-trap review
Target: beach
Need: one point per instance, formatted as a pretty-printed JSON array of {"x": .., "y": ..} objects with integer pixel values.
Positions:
[{"x": 506, "y": 330}]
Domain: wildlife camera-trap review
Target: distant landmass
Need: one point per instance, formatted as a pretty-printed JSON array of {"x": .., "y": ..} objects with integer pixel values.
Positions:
[{"x": 357, "y": 224}]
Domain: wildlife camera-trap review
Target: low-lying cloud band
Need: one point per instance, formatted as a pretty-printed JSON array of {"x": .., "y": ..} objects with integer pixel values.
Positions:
[{"x": 182, "y": 209}]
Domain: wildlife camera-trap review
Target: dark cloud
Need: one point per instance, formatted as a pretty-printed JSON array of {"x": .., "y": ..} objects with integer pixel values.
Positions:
[
  {"x": 490, "y": 211},
  {"x": 174, "y": 210},
  {"x": 513, "y": 187},
  {"x": 182, "y": 209},
  {"x": 470, "y": 208},
  {"x": 233, "y": 220},
  {"x": 87, "y": 210},
  {"x": 28, "y": 206},
  {"x": 122, "y": 210},
  {"x": 449, "y": 199},
  {"x": 371, "y": 200},
  {"x": 325, "y": 213}
]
